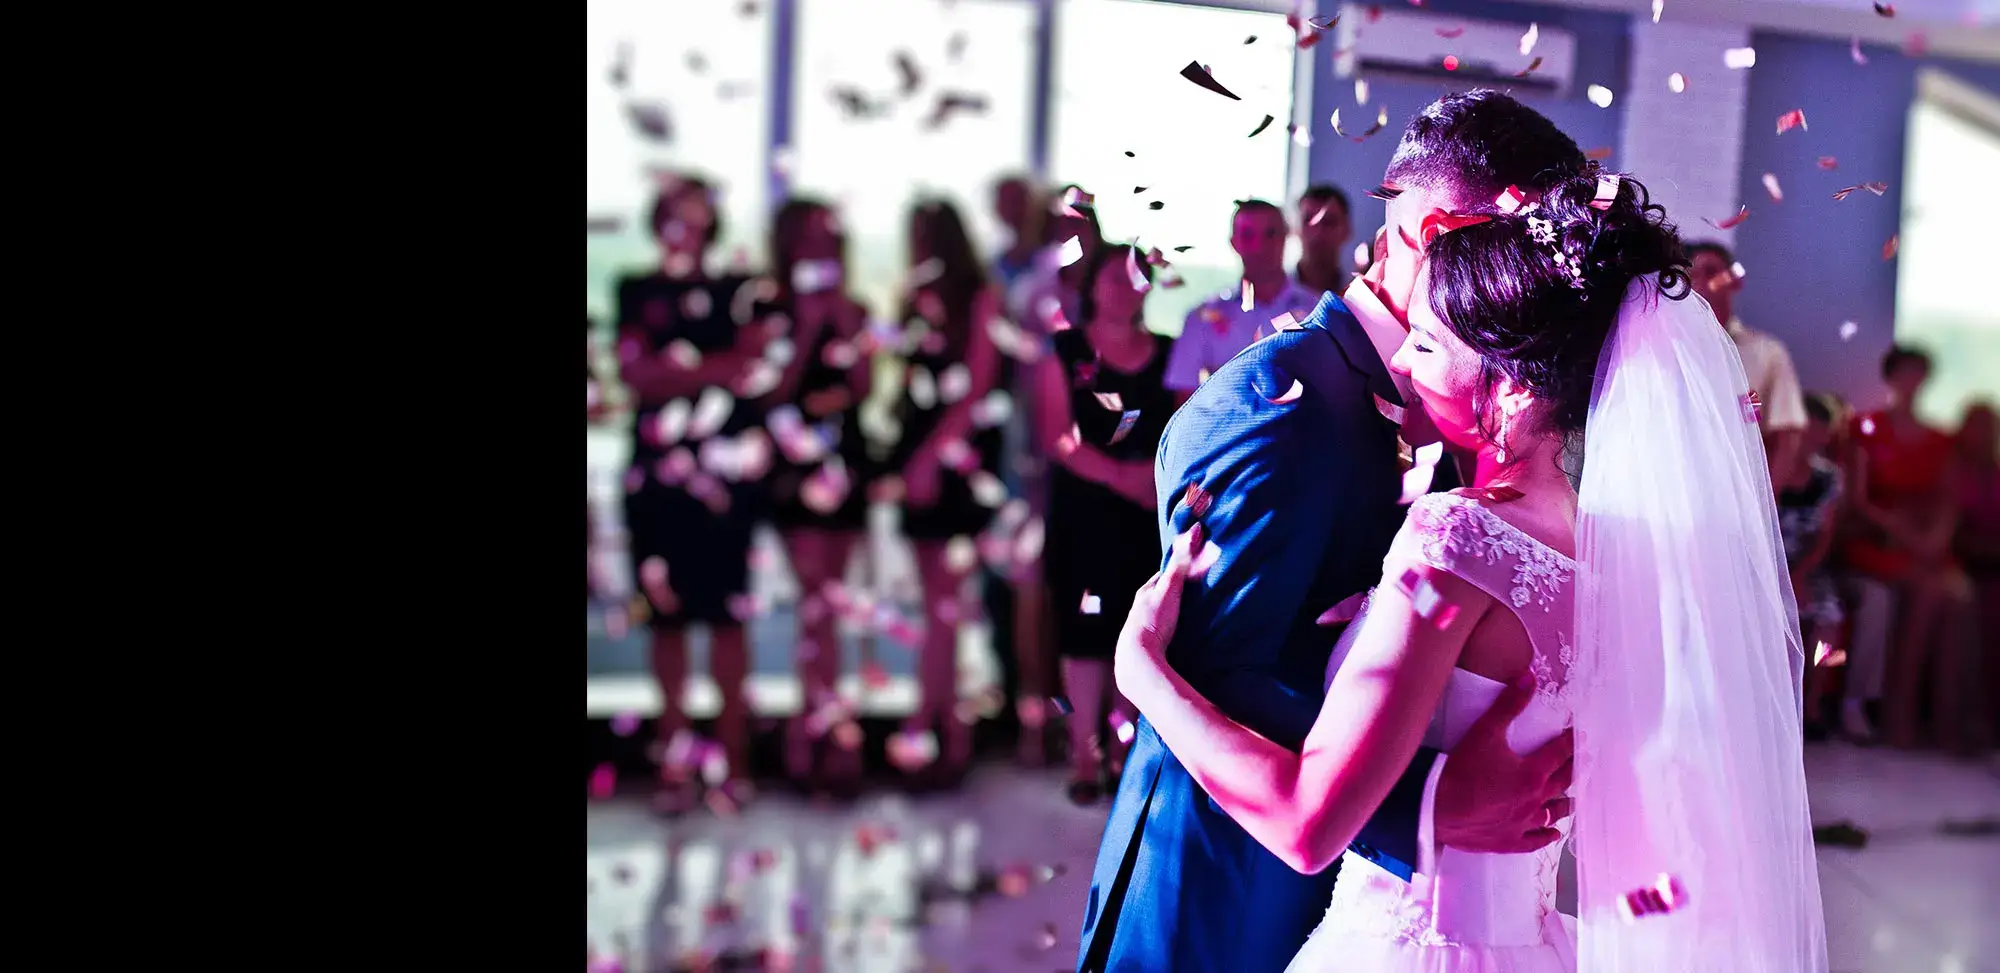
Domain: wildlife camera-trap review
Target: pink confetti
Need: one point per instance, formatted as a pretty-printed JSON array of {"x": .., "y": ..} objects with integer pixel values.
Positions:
[
  {"x": 1530, "y": 69},
  {"x": 1828, "y": 163},
  {"x": 1451, "y": 62},
  {"x": 1796, "y": 118},
  {"x": 1450, "y": 33},
  {"x": 1663, "y": 896},
  {"x": 603, "y": 781},
  {"x": 1889, "y": 249},
  {"x": 1878, "y": 188},
  {"x": 1730, "y": 223},
  {"x": 1854, "y": 51},
  {"x": 1752, "y": 406},
  {"x": 1917, "y": 45},
  {"x": 1771, "y": 186}
]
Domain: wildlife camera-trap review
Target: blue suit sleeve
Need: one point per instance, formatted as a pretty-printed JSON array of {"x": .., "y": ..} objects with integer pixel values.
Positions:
[{"x": 1266, "y": 483}]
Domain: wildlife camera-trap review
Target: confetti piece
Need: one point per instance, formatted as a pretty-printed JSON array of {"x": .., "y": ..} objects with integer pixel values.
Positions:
[
  {"x": 1530, "y": 69},
  {"x": 1252, "y": 39},
  {"x": 1917, "y": 44},
  {"x": 1362, "y": 258},
  {"x": 1361, "y": 91},
  {"x": 1677, "y": 82},
  {"x": 1249, "y": 296},
  {"x": 1292, "y": 394},
  {"x": 1156, "y": 205},
  {"x": 1867, "y": 426},
  {"x": 1122, "y": 728},
  {"x": 1737, "y": 269},
  {"x": 1184, "y": 249},
  {"x": 1889, "y": 249},
  {"x": 1663, "y": 896},
  {"x": 1092, "y": 604},
  {"x": 1450, "y": 33},
  {"x": 1828, "y": 163},
  {"x": 1771, "y": 186},
  {"x": 1738, "y": 58},
  {"x": 1199, "y": 75},
  {"x": 1451, "y": 62},
  {"x": 1261, "y": 126},
  {"x": 1854, "y": 51},
  {"x": 1847, "y": 329},
  {"x": 1599, "y": 95},
  {"x": 1878, "y": 188},
  {"x": 1072, "y": 251},
  {"x": 1607, "y": 191},
  {"x": 1730, "y": 223},
  {"x": 603, "y": 781},
  {"x": 912, "y": 750},
  {"x": 1381, "y": 121},
  {"x": 1598, "y": 154},
  {"x": 1528, "y": 39},
  {"x": 1658, "y": 5},
  {"x": 1197, "y": 500},
  {"x": 1752, "y": 406},
  {"x": 1796, "y": 118},
  {"x": 1885, "y": 9}
]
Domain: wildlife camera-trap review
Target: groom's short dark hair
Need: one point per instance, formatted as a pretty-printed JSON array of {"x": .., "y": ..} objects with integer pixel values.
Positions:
[{"x": 1472, "y": 145}]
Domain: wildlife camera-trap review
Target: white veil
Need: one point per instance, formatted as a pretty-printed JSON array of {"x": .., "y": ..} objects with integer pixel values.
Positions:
[{"x": 1689, "y": 752}]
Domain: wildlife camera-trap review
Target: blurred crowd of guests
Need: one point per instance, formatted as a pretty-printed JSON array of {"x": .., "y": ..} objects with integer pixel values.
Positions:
[
  {"x": 1009, "y": 408},
  {"x": 1892, "y": 528}
]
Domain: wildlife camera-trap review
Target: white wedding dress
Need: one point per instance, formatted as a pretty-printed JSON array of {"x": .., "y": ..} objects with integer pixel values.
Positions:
[{"x": 1477, "y": 913}]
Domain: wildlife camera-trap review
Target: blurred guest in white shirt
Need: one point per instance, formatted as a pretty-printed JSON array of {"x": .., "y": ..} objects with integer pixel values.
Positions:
[
  {"x": 1718, "y": 278},
  {"x": 1229, "y": 322}
]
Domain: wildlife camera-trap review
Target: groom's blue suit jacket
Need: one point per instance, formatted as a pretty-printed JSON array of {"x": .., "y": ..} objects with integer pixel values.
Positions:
[{"x": 1303, "y": 506}]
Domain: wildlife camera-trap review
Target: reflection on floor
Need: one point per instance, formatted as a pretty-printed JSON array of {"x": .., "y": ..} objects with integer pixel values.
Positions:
[{"x": 993, "y": 878}]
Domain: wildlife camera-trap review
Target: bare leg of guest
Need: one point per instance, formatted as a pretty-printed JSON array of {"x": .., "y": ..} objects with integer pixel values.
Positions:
[
  {"x": 668, "y": 657},
  {"x": 937, "y": 663},
  {"x": 1085, "y": 682},
  {"x": 1923, "y": 608},
  {"x": 729, "y": 665}
]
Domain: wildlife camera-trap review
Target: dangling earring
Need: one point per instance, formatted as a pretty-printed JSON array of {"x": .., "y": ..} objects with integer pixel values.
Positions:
[{"x": 1501, "y": 441}]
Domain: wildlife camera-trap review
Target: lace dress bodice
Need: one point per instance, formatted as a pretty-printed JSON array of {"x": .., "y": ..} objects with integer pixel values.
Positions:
[{"x": 1475, "y": 912}]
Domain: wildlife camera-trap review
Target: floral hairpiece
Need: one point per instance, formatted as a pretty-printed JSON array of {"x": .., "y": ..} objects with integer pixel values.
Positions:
[{"x": 1542, "y": 230}]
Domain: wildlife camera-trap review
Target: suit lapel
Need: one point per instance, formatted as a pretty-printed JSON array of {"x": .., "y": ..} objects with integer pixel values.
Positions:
[{"x": 1333, "y": 317}]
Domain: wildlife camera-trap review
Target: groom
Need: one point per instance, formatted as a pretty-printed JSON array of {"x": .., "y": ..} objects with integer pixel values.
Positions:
[{"x": 1285, "y": 458}]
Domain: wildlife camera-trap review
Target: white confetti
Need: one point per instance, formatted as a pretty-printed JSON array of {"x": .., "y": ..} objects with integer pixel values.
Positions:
[
  {"x": 1738, "y": 58},
  {"x": 1677, "y": 82},
  {"x": 710, "y": 412},
  {"x": 1092, "y": 604},
  {"x": 1599, "y": 95},
  {"x": 1072, "y": 251},
  {"x": 1528, "y": 39},
  {"x": 1658, "y": 5},
  {"x": 1847, "y": 329},
  {"x": 1771, "y": 186},
  {"x": 1361, "y": 91}
]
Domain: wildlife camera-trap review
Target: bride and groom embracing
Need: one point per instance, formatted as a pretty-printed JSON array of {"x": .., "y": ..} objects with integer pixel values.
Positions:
[{"x": 1395, "y": 800}]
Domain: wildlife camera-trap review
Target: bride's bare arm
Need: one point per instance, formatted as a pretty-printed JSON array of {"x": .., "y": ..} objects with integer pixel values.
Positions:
[{"x": 1307, "y": 807}]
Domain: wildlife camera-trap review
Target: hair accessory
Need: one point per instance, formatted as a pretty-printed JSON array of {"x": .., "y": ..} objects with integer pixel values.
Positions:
[
  {"x": 1607, "y": 191},
  {"x": 1542, "y": 230}
]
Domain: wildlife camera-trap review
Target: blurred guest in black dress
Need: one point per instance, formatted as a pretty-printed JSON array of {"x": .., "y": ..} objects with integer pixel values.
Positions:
[
  {"x": 693, "y": 491},
  {"x": 1101, "y": 405},
  {"x": 947, "y": 456},
  {"x": 821, "y": 472}
]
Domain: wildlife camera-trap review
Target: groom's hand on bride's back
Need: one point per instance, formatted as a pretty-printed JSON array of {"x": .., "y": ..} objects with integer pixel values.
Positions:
[{"x": 1490, "y": 799}]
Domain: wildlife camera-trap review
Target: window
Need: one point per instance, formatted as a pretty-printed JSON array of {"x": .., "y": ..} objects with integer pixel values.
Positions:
[
  {"x": 675, "y": 86},
  {"x": 1117, "y": 89},
  {"x": 897, "y": 98},
  {"x": 1954, "y": 130}
]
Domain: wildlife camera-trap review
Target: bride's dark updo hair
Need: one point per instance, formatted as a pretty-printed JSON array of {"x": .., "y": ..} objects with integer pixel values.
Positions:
[{"x": 1501, "y": 289}]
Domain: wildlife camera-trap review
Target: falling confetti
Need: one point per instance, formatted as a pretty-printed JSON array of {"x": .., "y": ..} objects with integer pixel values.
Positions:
[
  {"x": 1092, "y": 604},
  {"x": 1828, "y": 163},
  {"x": 1847, "y": 330},
  {"x": 1854, "y": 51},
  {"x": 1361, "y": 91},
  {"x": 1451, "y": 62},
  {"x": 1738, "y": 58},
  {"x": 1771, "y": 186},
  {"x": 1528, "y": 39},
  {"x": 1663, "y": 896},
  {"x": 1599, "y": 95},
  {"x": 1598, "y": 154},
  {"x": 1530, "y": 69},
  {"x": 1381, "y": 122},
  {"x": 1072, "y": 251},
  {"x": 651, "y": 121},
  {"x": 951, "y": 103},
  {"x": 1453, "y": 33},
  {"x": 1889, "y": 249},
  {"x": 603, "y": 781},
  {"x": 1252, "y": 39},
  {"x": 1878, "y": 188},
  {"x": 1917, "y": 44},
  {"x": 1658, "y": 5},
  {"x": 1730, "y": 223},
  {"x": 1199, "y": 75},
  {"x": 1796, "y": 118},
  {"x": 1261, "y": 126},
  {"x": 1362, "y": 258},
  {"x": 1677, "y": 82},
  {"x": 1885, "y": 9},
  {"x": 1157, "y": 205}
]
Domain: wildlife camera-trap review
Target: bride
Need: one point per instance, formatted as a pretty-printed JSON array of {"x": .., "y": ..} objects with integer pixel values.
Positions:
[{"x": 1650, "y": 608}]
